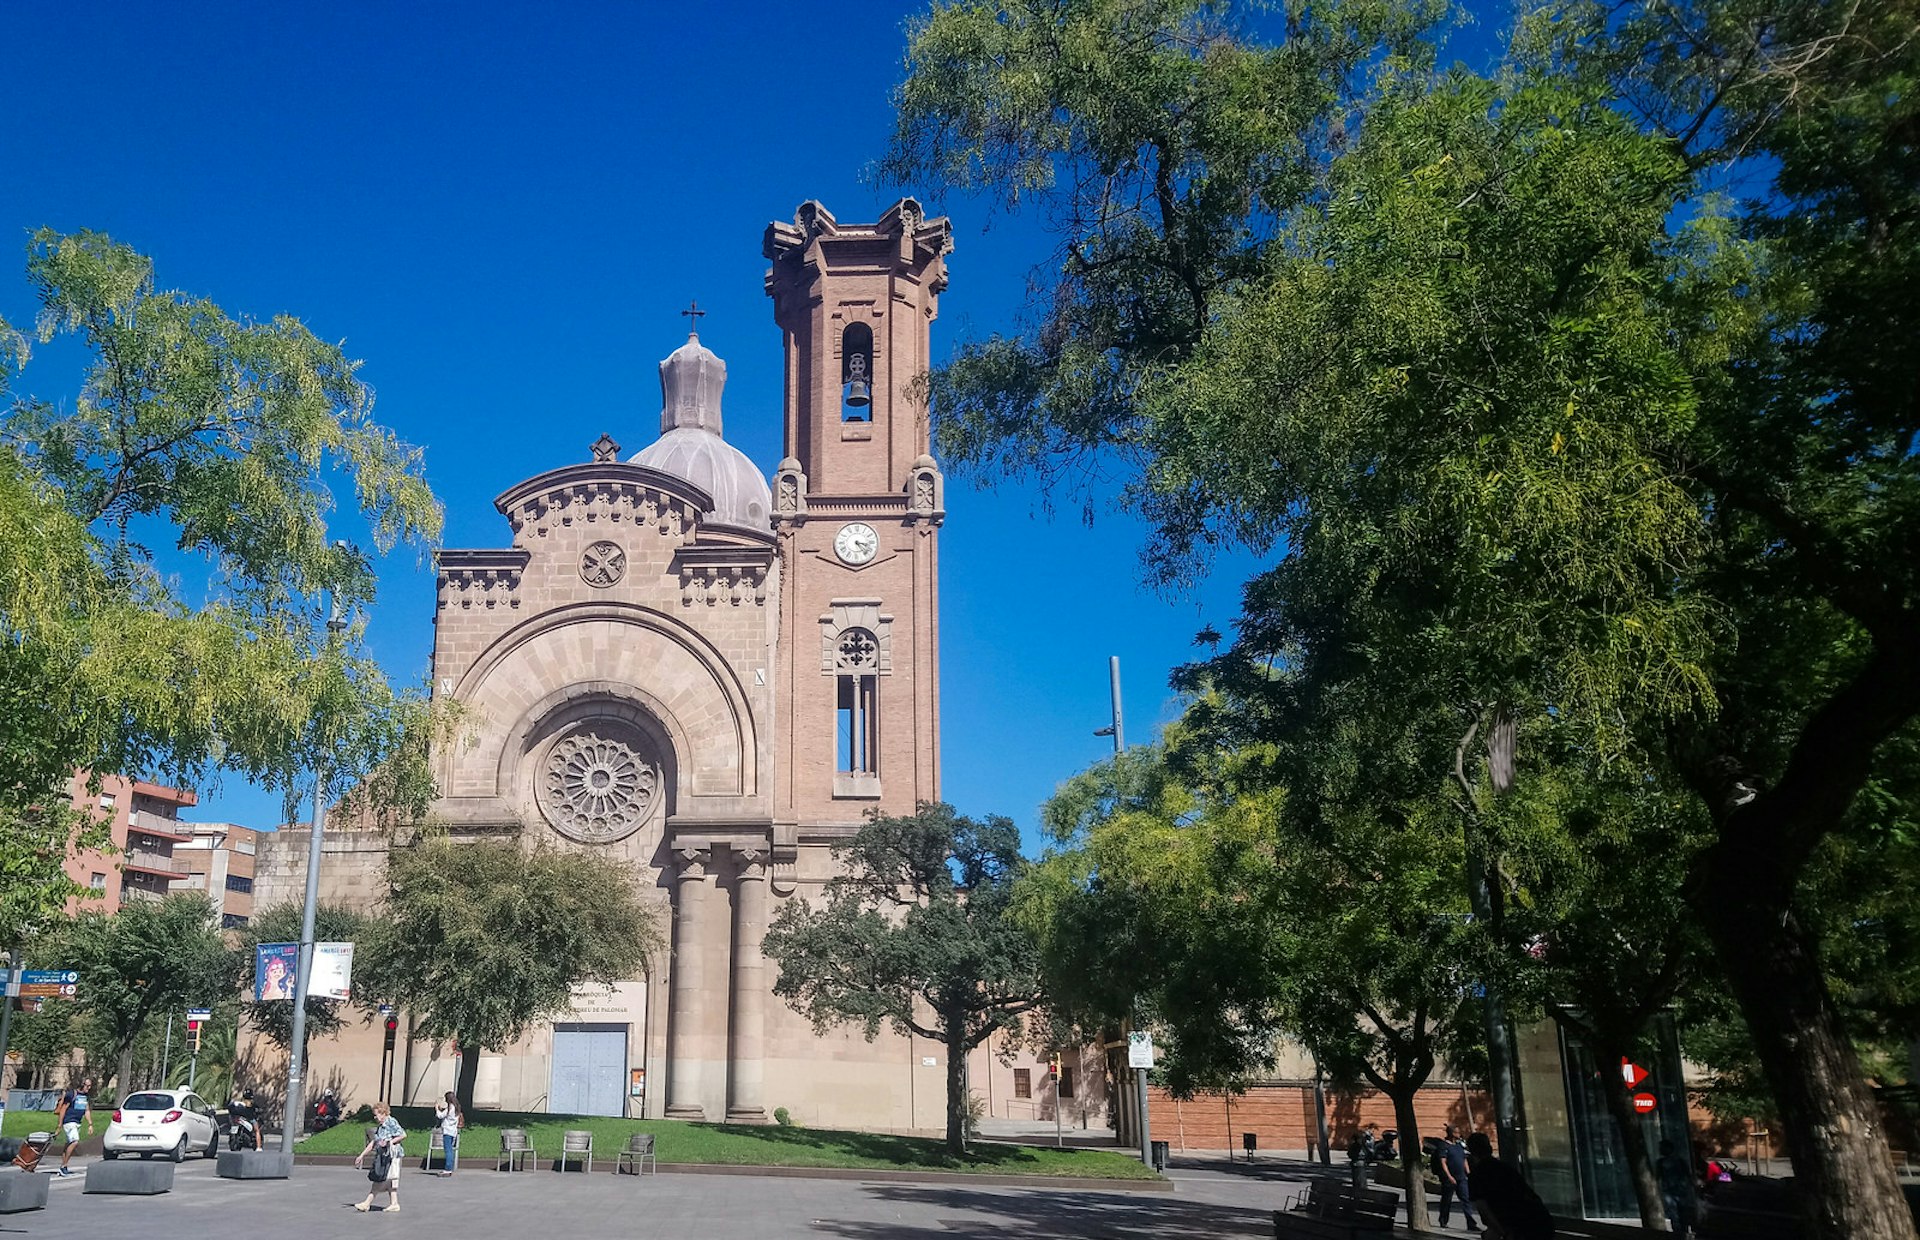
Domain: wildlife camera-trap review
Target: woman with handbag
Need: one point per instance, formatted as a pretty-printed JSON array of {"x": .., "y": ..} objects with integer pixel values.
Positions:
[{"x": 384, "y": 1146}]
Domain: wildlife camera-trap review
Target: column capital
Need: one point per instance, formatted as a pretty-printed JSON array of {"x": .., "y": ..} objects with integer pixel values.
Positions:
[
  {"x": 691, "y": 862},
  {"x": 752, "y": 862}
]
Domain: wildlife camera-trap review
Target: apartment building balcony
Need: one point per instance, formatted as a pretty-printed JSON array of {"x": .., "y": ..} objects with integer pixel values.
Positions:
[
  {"x": 149, "y": 823},
  {"x": 152, "y": 863}
]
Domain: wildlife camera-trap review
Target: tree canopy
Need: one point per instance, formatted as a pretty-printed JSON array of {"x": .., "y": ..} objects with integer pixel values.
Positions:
[
  {"x": 1571, "y": 398},
  {"x": 914, "y": 933},
  {"x": 166, "y": 538},
  {"x": 486, "y": 938}
]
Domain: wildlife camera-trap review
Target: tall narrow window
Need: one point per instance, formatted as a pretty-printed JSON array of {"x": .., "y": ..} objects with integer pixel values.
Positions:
[
  {"x": 856, "y": 373},
  {"x": 857, "y": 730},
  {"x": 1023, "y": 1082}
]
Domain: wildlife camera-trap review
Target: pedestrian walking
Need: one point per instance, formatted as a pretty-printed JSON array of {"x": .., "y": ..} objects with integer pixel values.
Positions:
[
  {"x": 1507, "y": 1204},
  {"x": 384, "y": 1145},
  {"x": 1676, "y": 1189},
  {"x": 74, "y": 1108},
  {"x": 452, "y": 1120},
  {"x": 1450, "y": 1164}
]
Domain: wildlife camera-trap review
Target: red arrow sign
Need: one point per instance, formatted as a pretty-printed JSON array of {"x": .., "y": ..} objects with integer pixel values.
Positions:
[
  {"x": 1632, "y": 1072},
  {"x": 1645, "y": 1104}
]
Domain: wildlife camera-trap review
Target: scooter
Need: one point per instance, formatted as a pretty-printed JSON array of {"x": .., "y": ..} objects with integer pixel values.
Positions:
[{"x": 240, "y": 1133}]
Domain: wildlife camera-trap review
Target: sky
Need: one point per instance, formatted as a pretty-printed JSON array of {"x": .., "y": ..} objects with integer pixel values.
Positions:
[{"x": 502, "y": 209}]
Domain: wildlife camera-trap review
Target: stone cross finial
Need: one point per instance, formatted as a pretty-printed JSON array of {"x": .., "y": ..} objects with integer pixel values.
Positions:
[
  {"x": 605, "y": 449},
  {"x": 693, "y": 314}
]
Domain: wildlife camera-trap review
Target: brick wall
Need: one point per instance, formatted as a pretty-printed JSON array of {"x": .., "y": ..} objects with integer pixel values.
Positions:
[{"x": 1281, "y": 1115}]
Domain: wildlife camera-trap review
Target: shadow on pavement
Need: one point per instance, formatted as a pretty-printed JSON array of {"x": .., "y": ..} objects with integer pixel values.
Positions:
[{"x": 1049, "y": 1215}]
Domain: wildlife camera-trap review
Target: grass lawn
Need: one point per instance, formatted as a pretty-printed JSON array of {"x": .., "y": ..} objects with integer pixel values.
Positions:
[
  {"x": 20, "y": 1123},
  {"x": 742, "y": 1145}
]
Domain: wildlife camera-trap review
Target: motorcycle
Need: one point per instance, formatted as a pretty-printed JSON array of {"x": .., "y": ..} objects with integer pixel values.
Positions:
[
  {"x": 240, "y": 1132},
  {"x": 324, "y": 1114}
]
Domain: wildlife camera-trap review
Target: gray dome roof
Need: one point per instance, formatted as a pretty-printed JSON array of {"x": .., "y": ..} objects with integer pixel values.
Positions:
[{"x": 690, "y": 446}]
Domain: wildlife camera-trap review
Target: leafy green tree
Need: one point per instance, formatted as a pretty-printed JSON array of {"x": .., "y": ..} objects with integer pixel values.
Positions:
[
  {"x": 150, "y": 958},
  {"x": 915, "y": 933},
  {"x": 486, "y": 938},
  {"x": 332, "y": 923},
  {"x": 35, "y": 842},
  {"x": 214, "y": 439},
  {"x": 44, "y": 1038},
  {"x": 1537, "y": 425}
]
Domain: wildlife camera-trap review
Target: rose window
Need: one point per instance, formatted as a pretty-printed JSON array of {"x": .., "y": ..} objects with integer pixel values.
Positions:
[{"x": 597, "y": 790}]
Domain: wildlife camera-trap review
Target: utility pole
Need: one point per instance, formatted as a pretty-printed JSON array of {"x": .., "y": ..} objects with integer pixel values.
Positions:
[
  {"x": 1116, "y": 729},
  {"x": 294, "y": 1113},
  {"x": 166, "y": 1052},
  {"x": 6, "y": 1020}
]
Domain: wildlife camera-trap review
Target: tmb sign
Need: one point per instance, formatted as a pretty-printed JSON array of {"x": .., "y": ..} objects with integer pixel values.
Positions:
[{"x": 1645, "y": 1104}]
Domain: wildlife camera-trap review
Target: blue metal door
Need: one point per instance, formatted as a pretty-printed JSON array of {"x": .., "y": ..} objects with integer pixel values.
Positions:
[{"x": 589, "y": 1070}]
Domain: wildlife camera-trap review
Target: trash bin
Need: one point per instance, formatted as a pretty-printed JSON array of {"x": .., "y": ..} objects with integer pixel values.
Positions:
[
  {"x": 1159, "y": 1155},
  {"x": 1249, "y": 1142}
]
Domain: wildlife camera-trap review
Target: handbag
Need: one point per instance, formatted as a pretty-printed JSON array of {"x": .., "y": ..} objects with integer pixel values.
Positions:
[{"x": 382, "y": 1164}]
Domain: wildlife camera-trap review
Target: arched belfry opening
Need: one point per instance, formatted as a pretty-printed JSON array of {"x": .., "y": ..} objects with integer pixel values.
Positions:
[{"x": 856, "y": 373}]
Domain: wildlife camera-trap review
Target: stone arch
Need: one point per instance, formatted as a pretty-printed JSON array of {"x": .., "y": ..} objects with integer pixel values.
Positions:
[
  {"x": 618, "y": 650},
  {"x": 581, "y": 703}
]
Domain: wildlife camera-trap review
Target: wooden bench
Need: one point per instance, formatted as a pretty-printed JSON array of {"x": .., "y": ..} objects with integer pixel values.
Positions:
[{"x": 1338, "y": 1211}]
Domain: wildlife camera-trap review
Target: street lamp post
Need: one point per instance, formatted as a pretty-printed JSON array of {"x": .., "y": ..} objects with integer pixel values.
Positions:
[{"x": 295, "y": 1110}]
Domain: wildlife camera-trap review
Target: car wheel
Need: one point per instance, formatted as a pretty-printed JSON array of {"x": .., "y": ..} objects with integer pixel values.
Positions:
[
  {"x": 179, "y": 1152},
  {"x": 109, "y": 1155},
  {"x": 213, "y": 1146}
]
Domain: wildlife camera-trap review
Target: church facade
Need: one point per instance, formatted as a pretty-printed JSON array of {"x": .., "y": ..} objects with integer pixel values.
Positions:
[{"x": 710, "y": 675}]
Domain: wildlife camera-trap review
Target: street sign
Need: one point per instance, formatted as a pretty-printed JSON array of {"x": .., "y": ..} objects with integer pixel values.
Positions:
[
  {"x": 1139, "y": 1050},
  {"x": 1632, "y": 1072},
  {"x": 199, "y": 1013},
  {"x": 49, "y": 983},
  {"x": 1645, "y": 1104}
]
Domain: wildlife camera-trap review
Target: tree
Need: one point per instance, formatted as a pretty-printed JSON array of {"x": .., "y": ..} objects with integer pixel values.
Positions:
[
  {"x": 150, "y": 958},
  {"x": 1536, "y": 425},
  {"x": 35, "y": 842},
  {"x": 332, "y": 923},
  {"x": 486, "y": 938},
  {"x": 210, "y": 440},
  {"x": 915, "y": 934}
]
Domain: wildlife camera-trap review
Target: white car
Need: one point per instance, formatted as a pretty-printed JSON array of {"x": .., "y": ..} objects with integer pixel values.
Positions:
[{"x": 174, "y": 1122}]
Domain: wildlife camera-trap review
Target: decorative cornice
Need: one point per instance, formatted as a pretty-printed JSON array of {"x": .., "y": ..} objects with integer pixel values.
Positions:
[
  {"x": 610, "y": 491},
  {"x": 484, "y": 577},
  {"x": 722, "y": 573}
]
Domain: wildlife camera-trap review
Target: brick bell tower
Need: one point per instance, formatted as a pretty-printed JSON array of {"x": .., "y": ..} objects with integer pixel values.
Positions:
[{"x": 857, "y": 508}]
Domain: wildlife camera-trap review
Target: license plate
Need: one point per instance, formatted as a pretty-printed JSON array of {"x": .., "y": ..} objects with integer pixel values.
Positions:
[{"x": 138, "y": 1136}]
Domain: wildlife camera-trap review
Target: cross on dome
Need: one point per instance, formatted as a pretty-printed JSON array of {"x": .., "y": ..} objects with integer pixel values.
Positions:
[{"x": 693, "y": 314}]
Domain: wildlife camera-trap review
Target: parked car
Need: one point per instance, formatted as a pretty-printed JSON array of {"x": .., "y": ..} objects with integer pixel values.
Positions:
[{"x": 174, "y": 1122}]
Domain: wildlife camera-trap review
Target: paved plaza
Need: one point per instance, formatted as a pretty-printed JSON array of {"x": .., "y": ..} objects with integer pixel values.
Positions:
[{"x": 484, "y": 1204}]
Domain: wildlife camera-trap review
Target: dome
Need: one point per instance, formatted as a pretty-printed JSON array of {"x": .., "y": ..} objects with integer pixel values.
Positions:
[{"x": 690, "y": 446}]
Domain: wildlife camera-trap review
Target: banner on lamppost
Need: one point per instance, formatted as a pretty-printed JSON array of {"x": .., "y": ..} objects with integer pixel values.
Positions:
[
  {"x": 276, "y": 964},
  {"x": 332, "y": 971},
  {"x": 274, "y": 968}
]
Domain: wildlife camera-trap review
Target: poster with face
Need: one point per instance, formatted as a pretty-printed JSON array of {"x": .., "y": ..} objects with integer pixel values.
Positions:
[{"x": 274, "y": 966}]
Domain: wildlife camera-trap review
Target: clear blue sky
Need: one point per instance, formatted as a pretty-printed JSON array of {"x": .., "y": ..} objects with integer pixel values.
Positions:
[{"x": 502, "y": 209}]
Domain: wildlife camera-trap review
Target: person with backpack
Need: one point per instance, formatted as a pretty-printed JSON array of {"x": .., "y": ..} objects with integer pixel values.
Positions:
[
  {"x": 384, "y": 1144},
  {"x": 75, "y": 1107}
]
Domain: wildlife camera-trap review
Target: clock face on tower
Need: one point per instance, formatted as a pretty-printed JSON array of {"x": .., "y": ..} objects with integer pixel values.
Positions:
[{"x": 856, "y": 542}]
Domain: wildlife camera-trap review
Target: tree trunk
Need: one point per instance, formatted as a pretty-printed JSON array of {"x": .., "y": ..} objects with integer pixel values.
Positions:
[
  {"x": 1633, "y": 1139},
  {"x": 956, "y": 1090},
  {"x": 464, "y": 1080},
  {"x": 1120, "y": 1097},
  {"x": 1502, "y": 1082},
  {"x": 1320, "y": 1113},
  {"x": 123, "y": 1073},
  {"x": 1410, "y": 1156},
  {"x": 1833, "y": 1129}
]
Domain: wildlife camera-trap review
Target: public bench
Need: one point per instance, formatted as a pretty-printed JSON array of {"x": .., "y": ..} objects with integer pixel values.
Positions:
[
  {"x": 516, "y": 1150},
  {"x": 1338, "y": 1212}
]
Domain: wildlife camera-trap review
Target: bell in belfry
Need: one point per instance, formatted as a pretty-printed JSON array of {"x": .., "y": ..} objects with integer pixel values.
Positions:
[{"x": 858, "y": 394}]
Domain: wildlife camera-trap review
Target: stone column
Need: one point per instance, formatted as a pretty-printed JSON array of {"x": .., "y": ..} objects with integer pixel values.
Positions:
[
  {"x": 683, "y": 1015},
  {"x": 748, "y": 1042}
]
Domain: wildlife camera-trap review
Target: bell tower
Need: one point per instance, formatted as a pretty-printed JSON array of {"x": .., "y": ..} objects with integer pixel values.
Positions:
[{"x": 857, "y": 506}]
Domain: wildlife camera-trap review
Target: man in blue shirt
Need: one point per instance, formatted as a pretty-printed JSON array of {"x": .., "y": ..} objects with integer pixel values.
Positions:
[
  {"x": 1450, "y": 1164},
  {"x": 75, "y": 1109}
]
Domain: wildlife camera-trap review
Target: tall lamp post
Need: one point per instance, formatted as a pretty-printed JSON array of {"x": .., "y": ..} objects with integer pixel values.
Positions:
[
  {"x": 295, "y": 1112},
  {"x": 1117, "y": 730}
]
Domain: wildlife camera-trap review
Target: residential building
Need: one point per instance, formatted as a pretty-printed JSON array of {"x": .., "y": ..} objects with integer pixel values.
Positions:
[
  {"x": 219, "y": 861},
  {"x": 144, "y": 824}
]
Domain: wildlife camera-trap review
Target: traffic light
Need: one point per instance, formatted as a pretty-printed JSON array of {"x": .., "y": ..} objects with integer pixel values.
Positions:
[
  {"x": 393, "y": 1023},
  {"x": 1053, "y": 1066},
  {"x": 193, "y": 1036}
]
